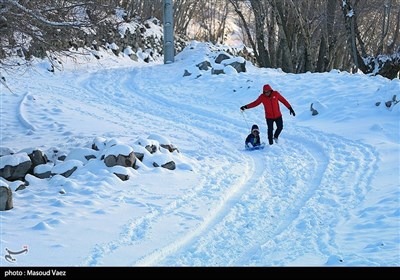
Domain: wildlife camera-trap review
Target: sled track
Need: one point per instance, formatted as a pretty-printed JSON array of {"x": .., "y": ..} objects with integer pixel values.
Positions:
[
  {"x": 281, "y": 211},
  {"x": 135, "y": 231},
  {"x": 277, "y": 198}
]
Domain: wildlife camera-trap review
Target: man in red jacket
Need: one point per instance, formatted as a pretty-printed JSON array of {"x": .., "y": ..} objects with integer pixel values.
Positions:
[{"x": 270, "y": 99}]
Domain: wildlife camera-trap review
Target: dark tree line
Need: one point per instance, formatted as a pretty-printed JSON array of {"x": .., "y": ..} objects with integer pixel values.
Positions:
[
  {"x": 34, "y": 27},
  {"x": 295, "y": 35},
  {"x": 317, "y": 36}
]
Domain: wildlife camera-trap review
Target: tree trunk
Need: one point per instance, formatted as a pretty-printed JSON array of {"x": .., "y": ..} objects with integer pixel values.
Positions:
[
  {"x": 236, "y": 6},
  {"x": 332, "y": 38},
  {"x": 353, "y": 34},
  {"x": 305, "y": 32},
  {"x": 322, "y": 59},
  {"x": 286, "y": 56},
  {"x": 396, "y": 33},
  {"x": 259, "y": 15}
]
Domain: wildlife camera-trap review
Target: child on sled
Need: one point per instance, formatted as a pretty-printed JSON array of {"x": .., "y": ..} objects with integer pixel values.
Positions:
[{"x": 253, "y": 139}]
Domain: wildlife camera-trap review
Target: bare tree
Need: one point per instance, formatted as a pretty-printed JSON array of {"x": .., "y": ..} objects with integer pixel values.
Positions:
[
  {"x": 44, "y": 24},
  {"x": 295, "y": 35},
  {"x": 262, "y": 54},
  {"x": 184, "y": 12},
  {"x": 365, "y": 39}
]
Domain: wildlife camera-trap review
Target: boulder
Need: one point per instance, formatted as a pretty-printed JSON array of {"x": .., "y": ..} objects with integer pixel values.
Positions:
[
  {"x": 151, "y": 148},
  {"x": 217, "y": 71},
  {"x": 6, "y": 202},
  {"x": 169, "y": 165},
  {"x": 37, "y": 157},
  {"x": 14, "y": 167},
  {"x": 123, "y": 177},
  {"x": 314, "y": 112},
  {"x": 139, "y": 156},
  {"x": 239, "y": 66},
  {"x": 205, "y": 65},
  {"x": 99, "y": 143},
  {"x": 169, "y": 147},
  {"x": 122, "y": 160},
  {"x": 221, "y": 57}
]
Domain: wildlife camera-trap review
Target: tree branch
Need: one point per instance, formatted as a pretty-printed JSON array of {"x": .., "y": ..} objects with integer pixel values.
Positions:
[{"x": 42, "y": 19}]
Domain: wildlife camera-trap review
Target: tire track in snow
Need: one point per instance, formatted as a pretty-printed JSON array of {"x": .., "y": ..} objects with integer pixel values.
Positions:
[
  {"x": 302, "y": 220},
  {"x": 160, "y": 253},
  {"x": 136, "y": 231},
  {"x": 210, "y": 221},
  {"x": 345, "y": 176},
  {"x": 251, "y": 222},
  {"x": 349, "y": 168},
  {"x": 325, "y": 166},
  {"x": 240, "y": 223},
  {"x": 206, "y": 115}
]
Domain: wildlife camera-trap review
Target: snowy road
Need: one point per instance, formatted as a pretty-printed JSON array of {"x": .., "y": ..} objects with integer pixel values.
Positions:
[
  {"x": 288, "y": 204},
  {"x": 286, "y": 197}
]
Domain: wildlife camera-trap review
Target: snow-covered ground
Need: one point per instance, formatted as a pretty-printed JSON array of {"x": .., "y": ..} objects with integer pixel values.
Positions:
[{"x": 327, "y": 194}]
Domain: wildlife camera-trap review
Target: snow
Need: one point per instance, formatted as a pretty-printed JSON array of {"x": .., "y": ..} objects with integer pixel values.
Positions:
[
  {"x": 6, "y": 151},
  {"x": 229, "y": 70},
  {"x": 118, "y": 150},
  {"x": 13, "y": 160},
  {"x": 3, "y": 182},
  {"x": 232, "y": 60},
  {"x": 65, "y": 166},
  {"x": 80, "y": 154},
  {"x": 160, "y": 139},
  {"x": 112, "y": 46},
  {"x": 327, "y": 195},
  {"x": 43, "y": 168},
  {"x": 350, "y": 13}
]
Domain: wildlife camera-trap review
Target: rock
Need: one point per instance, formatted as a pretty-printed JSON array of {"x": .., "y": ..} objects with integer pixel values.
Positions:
[
  {"x": 62, "y": 158},
  {"x": 217, "y": 71},
  {"x": 313, "y": 111},
  {"x": 43, "y": 171},
  {"x": 14, "y": 167},
  {"x": 205, "y": 65},
  {"x": 66, "y": 168},
  {"x": 126, "y": 161},
  {"x": 169, "y": 147},
  {"x": 169, "y": 165},
  {"x": 6, "y": 202},
  {"x": 44, "y": 175},
  {"x": 99, "y": 143},
  {"x": 221, "y": 57},
  {"x": 139, "y": 156},
  {"x": 123, "y": 177},
  {"x": 20, "y": 187},
  {"x": 151, "y": 148},
  {"x": 239, "y": 66},
  {"x": 68, "y": 173},
  {"x": 37, "y": 157}
]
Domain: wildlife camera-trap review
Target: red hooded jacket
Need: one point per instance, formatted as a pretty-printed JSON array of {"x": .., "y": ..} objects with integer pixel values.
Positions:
[{"x": 271, "y": 105}]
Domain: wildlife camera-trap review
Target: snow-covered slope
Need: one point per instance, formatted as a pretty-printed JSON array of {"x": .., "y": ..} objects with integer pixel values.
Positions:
[{"x": 327, "y": 194}]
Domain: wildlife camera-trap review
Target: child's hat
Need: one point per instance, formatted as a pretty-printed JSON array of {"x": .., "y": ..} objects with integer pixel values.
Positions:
[{"x": 255, "y": 128}]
